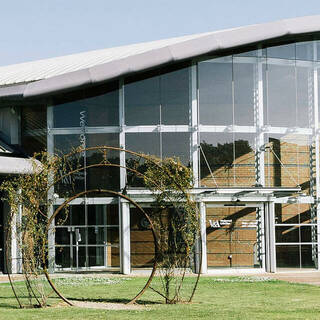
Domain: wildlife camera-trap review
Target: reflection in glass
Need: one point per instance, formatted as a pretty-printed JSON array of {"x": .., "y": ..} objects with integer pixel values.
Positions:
[
  {"x": 141, "y": 239},
  {"x": 100, "y": 110},
  {"x": 233, "y": 245},
  {"x": 244, "y": 77},
  {"x": 176, "y": 144},
  {"x": 145, "y": 143},
  {"x": 215, "y": 91},
  {"x": 304, "y": 51},
  {"x": 142, "y": 102},
  {"x": 102, "y": 177},
  {"x": 304, "y": 96},
  {"x": 230, "y": 158},
  {"x": 217, "y": 151},
  {"x": 308, "y": 256},
  {"x": 175, "y": 91},
  {"x": 293, "y": 213},
  {"x": 96, "y": 244},
  {"x": 34, "y": 129},
  {"x": 163, "y": 98},
  {"x": 288, "y": 256},
  {"x": 244, "y": 159},
  {"x": 287, "y": 160},
  {"x": 287, "y": 51},
  {"x": 281, "y": 96},
  {"x": 103, "y": 215}
]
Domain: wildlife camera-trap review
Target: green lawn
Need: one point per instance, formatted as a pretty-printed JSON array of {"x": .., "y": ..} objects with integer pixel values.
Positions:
[{"x": 228, "y": 298}]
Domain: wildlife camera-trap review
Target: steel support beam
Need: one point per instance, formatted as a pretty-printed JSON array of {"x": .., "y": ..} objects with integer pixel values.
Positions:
[
  {"x": 125, "y": 259},
  {"x": 270, "y": 238},
  {"x": 204, "y": 263}
]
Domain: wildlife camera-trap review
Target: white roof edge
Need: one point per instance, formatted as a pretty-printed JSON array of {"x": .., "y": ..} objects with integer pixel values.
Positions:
[
  {"x": 13, "y": 165},
  {"x": 126, "y": 60}
]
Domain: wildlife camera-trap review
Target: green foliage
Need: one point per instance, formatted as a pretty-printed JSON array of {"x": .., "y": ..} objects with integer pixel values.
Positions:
[{"x": 176, "y": 221}]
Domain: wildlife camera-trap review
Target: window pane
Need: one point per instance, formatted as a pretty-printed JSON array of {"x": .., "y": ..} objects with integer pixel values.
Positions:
[
  {"x": 101, "y": 110},
  {"x": 176, "y": 145},
  {"x": 288, "y": 256},
  {"x": 286, "y": 51},
  {"x": 243, "y": 74},
  {"x": 287, "y": 234},
  {"x": 218, "y": 151},
  {"x": 175, "y": 90},
  {"x": 102, "y": 177},
  {"x": 244, "y": 162},
  {"x": 34, "y": 129},
  {"x": 103, "y": 215},
  {"x": 304, "y": 50},
  {"x": 142, "y": 102},
  {"x": 146, "y": 143},
  {"x": 215, "y": 91},
  {"x": 308, "y": 256},
  {"x": 64, "y": 144},
  {"x": 287, "y": 160},
  {"x": 281, "y": 96},
  {"x": 304, "y": 97}
]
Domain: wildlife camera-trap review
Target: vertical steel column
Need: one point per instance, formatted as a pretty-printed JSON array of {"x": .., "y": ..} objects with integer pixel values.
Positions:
[
  {"x": 51, "y": 232},
  {"x": 194, "y": 125},
  {"x": 316, "y": 150},
  {"x": 124, "y": 208},
  {"x": 125, "y": 237},
  {"x": 270, "y": 237},
  {"x": 204, "y": 263},
  {"x": 259, "y": 153},
  {"x": 259, "y": 121}
]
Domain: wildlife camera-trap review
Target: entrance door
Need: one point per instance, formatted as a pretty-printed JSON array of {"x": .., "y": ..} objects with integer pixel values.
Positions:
[
  {"x": 87, "y": 238},
  {"x": 233, "y": 236}
]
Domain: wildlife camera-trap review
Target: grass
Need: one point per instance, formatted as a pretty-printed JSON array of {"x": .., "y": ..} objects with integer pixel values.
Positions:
[{"x": 223, "y": 298}]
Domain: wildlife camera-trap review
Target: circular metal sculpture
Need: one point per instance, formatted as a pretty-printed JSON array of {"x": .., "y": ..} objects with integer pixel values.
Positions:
[{"x": 159, "y": 176}]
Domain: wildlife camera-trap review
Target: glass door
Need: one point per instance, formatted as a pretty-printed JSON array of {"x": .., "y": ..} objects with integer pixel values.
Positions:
[{"x": 88, "y": 237}]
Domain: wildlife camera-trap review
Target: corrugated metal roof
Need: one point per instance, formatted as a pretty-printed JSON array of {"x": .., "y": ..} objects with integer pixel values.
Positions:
[
  {"x": 47, "y": 68},
  {"x": 61, "y": 74}
]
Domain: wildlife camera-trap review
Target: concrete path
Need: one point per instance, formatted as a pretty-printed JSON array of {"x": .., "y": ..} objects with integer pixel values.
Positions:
[
  {"x": 309, "y": 277},
  {"x": 296, "y": 276}
]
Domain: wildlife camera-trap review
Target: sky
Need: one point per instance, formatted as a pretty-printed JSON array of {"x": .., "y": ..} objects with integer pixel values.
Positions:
[{"x": 39, "y": 29}]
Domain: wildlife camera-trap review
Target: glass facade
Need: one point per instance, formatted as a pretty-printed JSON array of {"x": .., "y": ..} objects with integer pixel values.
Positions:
[
  {"x": 87, "y": 236},
  {"x": 241, "y": 120}
]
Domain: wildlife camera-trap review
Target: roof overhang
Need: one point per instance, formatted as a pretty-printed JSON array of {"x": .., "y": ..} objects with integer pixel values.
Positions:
[
  {"x": 215, "y": 42},
  {"x": 235, "y": 196},
  {"x": 15, "y": 165}
]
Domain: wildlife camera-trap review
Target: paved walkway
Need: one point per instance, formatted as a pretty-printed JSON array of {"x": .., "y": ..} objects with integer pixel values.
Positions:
[
  {"x": 296, "y": 276},
  {"x": 308, "y": 277}
]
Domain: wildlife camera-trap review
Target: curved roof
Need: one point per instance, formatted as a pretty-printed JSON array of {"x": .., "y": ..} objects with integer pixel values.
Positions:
[{"x": 65, "y": 73}]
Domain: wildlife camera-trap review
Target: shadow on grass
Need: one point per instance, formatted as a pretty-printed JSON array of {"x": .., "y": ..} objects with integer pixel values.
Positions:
[
  {"x": 115, "y": 300},
  {"x": 9, "y": 306}
]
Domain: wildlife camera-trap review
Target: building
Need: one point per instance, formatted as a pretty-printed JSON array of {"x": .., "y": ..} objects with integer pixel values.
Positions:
[{"x": 239, "y": 106}]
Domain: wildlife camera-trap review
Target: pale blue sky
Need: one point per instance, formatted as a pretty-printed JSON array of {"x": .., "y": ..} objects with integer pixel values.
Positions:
[{"x": 37, "y": 29}]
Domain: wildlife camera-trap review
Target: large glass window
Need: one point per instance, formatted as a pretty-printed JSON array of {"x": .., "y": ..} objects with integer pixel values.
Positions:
[
  {"x": 34, "y": 129},
  {"x": 287, "y": 159},
  {"x": 244, "y": 92},
  {"x": 229, "y": 157},
  {"x": 87, "y": 236},
  {"x": 100, "y": 109},
  {"x": 215, "y": 92},
  {"x": 97, "y": 177},
  {"x": 163, "y": 98},
  {"x": 281, "y": 95}
]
